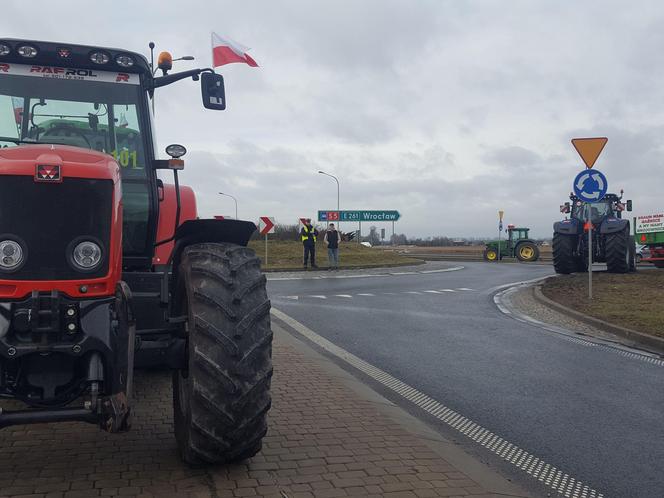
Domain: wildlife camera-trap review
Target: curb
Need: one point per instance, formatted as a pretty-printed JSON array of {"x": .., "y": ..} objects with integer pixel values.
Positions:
[
  {"x": 632, "y": 338},
  {"x": 361, "y": 267}
]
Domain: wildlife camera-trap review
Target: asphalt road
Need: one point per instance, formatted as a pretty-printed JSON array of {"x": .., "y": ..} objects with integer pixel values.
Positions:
[{"x": 593, "y": 412}]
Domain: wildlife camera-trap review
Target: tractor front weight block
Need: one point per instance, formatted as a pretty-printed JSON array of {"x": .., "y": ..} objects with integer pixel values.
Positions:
[{"x": 56, "y": 351}]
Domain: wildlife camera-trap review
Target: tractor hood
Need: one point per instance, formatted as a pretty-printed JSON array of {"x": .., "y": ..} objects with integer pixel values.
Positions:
[{"x": 53, "y": 163}]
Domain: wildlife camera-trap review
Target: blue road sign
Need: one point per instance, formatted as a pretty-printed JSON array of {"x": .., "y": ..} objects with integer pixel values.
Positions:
[{"x": 590, "y": 185}]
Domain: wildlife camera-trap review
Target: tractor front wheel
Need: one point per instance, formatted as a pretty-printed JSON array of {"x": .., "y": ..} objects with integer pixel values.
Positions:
[
  {"x": 490, "y": 254},
  {"x": 564, "y": 260},
  {"x": 618, "y": 255},
  {"x": 222, "y": 398},
  {"x": 527, "y": 251}
]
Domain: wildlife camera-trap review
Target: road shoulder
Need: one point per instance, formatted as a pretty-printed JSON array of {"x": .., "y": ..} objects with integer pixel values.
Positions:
[{"x": 408, "y": 429}]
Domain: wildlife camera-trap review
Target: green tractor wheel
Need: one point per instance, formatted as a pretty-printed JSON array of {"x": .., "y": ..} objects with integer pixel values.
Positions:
[
  {"x": 527, "y": 251},
  {"x": 490, "y": 254}
]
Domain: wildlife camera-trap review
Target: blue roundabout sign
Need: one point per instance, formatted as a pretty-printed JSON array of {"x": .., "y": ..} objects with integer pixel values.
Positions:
[{"x": 590, "y": 185}]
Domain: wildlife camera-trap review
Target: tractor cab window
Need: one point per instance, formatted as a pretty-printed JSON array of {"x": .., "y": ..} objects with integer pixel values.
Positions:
[
  {"x": 104, "y": 127},
  {"x": 598, "y": 211}
]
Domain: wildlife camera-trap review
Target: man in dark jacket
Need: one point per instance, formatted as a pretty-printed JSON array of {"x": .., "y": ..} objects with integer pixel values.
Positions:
[
  {"x": 332, "y": 237},
  {"x": 309, "y": 235}
]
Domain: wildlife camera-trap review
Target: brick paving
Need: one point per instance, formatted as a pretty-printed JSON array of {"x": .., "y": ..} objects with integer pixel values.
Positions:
[{"x": 324, "y": 441}]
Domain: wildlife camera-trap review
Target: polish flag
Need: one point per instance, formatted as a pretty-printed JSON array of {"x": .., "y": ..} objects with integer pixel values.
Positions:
[{"x": 227, "y": 51}]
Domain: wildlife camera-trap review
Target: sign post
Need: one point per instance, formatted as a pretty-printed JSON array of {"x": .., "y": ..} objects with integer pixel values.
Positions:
[
  {"x": 590, "y": 255},
  {"x": 590, "y": 187},
  {"x": 500, "y": 233},
  {"x": 266, "y": 225}
]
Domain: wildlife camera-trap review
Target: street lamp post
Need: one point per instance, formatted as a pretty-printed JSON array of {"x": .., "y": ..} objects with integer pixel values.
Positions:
[
  {"x": 229, "y": 195},
  {"x": 338, "y": 208}
]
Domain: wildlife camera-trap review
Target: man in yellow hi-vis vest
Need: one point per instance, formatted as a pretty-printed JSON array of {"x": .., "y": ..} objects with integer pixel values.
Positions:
[{"x": 309, "y": 235}]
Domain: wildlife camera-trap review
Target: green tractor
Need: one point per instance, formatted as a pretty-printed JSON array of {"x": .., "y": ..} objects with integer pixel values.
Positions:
[{"x": 517, "y": 245}]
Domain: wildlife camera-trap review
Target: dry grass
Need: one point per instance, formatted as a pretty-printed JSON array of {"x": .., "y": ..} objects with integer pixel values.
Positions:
[
  {"x": 288, "y": 255},
  {"x": 633, "y": 300}
]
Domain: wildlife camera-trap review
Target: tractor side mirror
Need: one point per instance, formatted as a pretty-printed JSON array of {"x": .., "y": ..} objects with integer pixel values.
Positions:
[
  {"x": 212, "y": 91},
  {"x": 629, "y": 205}
]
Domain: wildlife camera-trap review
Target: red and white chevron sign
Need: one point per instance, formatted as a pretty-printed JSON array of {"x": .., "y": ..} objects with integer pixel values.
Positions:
[{"x": 266, "y": 225}]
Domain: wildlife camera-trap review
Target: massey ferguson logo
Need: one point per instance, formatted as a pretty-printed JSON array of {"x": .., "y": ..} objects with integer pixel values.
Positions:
[
  {"x": 4, "y": 68},
  {"x": 122, "y": 77},
  {"x": 48, "y": 173}
]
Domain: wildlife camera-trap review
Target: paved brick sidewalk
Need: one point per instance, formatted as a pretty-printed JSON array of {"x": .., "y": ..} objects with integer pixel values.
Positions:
[{"x": 325, "y": 440}]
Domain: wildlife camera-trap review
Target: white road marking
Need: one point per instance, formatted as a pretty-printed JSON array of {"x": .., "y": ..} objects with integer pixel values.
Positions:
[
  {"x": 294, "y": 298},
  {"x": 367, "y": 294},
  {"x": 447, "y": 290},
  {"x": 318, "y": 296},
  {"x": 464, "y": 289},
  {"x": 433, "y": 292},
  {"x": 413, "y": 292},
  {"x": 545, "y": 473},
  {"x": 347, "y": 296},
  {"x": 442, "y": 270},
  {"x": 403, "y": 273}
]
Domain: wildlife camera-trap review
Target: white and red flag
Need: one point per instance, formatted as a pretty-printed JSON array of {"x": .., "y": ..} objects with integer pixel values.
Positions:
[{"x": 227, "y": 51}]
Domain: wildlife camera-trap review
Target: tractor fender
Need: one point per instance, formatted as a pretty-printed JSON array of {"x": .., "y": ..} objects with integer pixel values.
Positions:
[
  {"x": 522, "y": 241},
  {"x": 613, "y": 225},
  {"x": 210, "y": 230},
  {"x": 567, "y": 227}
]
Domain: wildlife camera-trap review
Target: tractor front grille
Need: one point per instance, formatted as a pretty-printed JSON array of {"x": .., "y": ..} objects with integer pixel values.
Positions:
[{"x": 47, "y": 217}]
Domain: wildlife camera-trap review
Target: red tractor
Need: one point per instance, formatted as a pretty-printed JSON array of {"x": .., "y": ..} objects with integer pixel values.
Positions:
[{"x": 103, "y": 267}]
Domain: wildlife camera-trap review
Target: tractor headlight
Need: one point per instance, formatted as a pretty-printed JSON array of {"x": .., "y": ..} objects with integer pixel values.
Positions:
[
  {"x": 86, "y": 255},
  {"x": 12, "y": 255},
  {"x": 100, "y": 57},
  {"x": 27, "y": 51},
  {"x": 124, "y": 60},
  {"x": 4, "y": 49}
]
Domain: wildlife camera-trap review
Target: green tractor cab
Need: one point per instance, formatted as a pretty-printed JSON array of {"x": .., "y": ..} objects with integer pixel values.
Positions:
[{"x": 517, "y": 245}]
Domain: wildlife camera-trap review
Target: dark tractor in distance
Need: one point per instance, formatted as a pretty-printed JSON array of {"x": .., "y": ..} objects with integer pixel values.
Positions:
[
  {"x": 611, "y": 240},
  {"x": 104, "y": 267},
  {"x": 517, "y": 245}
]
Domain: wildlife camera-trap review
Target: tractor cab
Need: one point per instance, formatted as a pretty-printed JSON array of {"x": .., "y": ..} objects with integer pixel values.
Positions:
[
  {"x": 609, "y": 207},
  {"x": 514, "y": 235}
]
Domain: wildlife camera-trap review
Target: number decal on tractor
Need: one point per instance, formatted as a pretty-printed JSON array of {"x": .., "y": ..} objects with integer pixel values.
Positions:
[{"x": 126, "y": 159}]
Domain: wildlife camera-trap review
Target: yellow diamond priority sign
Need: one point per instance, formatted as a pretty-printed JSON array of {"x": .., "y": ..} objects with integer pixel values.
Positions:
[{"x": 589, "y": 148}]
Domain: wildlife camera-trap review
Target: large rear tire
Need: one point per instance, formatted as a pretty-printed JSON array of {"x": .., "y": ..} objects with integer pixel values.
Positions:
[
  {"x": 617, "y": 253},
  {"x": 564, "y": 260},
  {"x": 527, "y": 252},
  {"x": 221, "y": 400}
]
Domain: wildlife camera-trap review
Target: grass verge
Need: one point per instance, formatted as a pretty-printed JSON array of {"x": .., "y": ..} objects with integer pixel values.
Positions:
[
  {"x": 283, "y": 255},
  {"x": 632, "y": 300}
]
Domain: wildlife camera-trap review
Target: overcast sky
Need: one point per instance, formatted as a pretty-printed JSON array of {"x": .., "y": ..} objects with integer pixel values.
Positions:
[{"x": 444, "y": 110}]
